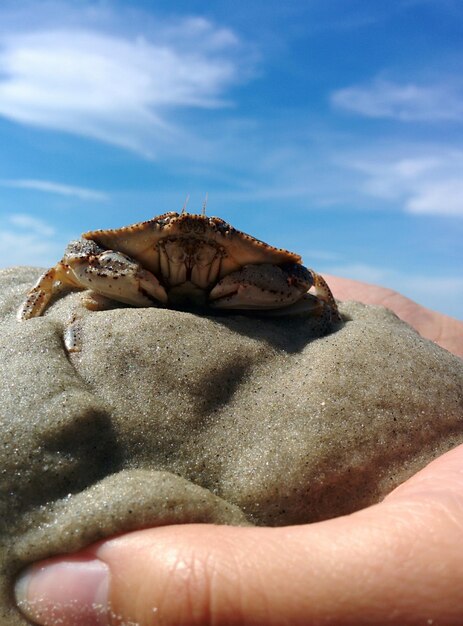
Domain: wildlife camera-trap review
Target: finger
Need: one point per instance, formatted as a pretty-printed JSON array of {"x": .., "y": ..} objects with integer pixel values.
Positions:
[
  {"x": 399, "y": 562},
  {"x": 442, "y": 329}
]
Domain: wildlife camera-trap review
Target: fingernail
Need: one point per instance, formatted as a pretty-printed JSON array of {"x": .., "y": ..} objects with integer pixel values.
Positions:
[{"x": 65, "y": 592}]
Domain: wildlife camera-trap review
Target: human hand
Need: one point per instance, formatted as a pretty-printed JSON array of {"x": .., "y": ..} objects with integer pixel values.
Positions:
[
  {"x": 442, "y": 329},
  {"x": 398, "y": 562}
]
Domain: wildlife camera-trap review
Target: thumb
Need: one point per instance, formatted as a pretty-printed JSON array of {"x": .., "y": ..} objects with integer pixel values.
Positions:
[{"x": 399, "y": 562}]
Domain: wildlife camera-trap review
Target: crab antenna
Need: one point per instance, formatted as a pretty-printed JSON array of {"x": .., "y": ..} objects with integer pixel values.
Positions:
[
  {"x": 184, "y": 206},
  {"x": 203, "y": 212}
]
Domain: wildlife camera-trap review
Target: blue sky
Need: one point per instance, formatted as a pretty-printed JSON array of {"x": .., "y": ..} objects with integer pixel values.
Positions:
[{"x": 332, "y": 128}]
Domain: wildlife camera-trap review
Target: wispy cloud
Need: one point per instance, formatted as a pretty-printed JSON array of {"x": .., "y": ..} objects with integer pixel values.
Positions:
[
  {"x": 35, "y": 225},
  {"x": 416, "y": 177},
  {"x": 430, "y": 183},
  {"x": 28, "y": 240},
  {"x": 365, "y": 272},
  {"x": 116, "y": 88},
  {"x": 438, "y": 292},
  {"x": 57, "y": 188},
  {"x": 405, "y": 102}
]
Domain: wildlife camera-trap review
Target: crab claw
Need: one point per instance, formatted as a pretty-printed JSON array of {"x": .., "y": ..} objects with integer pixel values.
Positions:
[
  {"x": 263, "y": 286},
  {"x": 116, "y": 276}
]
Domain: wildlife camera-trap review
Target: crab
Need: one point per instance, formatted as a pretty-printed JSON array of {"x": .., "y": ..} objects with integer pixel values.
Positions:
[{"x": 182, "y": 260}]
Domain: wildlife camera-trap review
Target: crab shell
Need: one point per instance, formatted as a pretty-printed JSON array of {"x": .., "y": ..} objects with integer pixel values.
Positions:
[
  {"x": 181, "y": 260},
  {"x": 194, "y": 239},
  {"x": 205, "y": 261}
]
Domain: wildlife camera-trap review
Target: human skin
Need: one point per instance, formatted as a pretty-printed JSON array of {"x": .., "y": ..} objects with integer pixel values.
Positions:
[
  {"x": 397, "y": 562},
  {"x": 444, "y": 330}
]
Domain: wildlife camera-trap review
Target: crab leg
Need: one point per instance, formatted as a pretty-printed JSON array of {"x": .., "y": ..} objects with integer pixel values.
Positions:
[
  {"x": 323, "y": 292},
  {"x": 50, "y": 283},
  {"x": 106, "y": 272}
]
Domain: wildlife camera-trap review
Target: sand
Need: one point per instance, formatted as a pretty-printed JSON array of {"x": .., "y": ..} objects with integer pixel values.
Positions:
[{"x": 168, "y": 417}]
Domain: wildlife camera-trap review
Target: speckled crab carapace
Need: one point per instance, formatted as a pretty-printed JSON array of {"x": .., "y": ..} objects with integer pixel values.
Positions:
[{"x": 184, "y": 261}]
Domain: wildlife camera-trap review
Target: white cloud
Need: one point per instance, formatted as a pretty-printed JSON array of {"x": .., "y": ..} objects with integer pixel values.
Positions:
[
  {"x": 50, "y": 187},
  {"x": 362, "y": 271},
  {"x": 27, "y": 249},
  {"x": 35, "y": 225},
  {"x": 27, "y": 240},
  {"x": 430, "y": 183},
  {"x": 405, "y": 102},
  {"x": 118, "y": 89},
  {"x": 440, "y": 293},
  {"x": 438, "y": 197}
]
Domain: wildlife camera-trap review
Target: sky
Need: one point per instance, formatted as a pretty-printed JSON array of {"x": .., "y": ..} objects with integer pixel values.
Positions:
[{"x": 331, "y": 128}]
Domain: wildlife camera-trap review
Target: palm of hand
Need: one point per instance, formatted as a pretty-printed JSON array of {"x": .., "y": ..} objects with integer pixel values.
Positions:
[{"x": 442, "y": 329}]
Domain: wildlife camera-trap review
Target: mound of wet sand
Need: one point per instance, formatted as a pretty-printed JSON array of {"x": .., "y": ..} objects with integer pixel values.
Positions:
[{"x": 168, "y": 417}]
